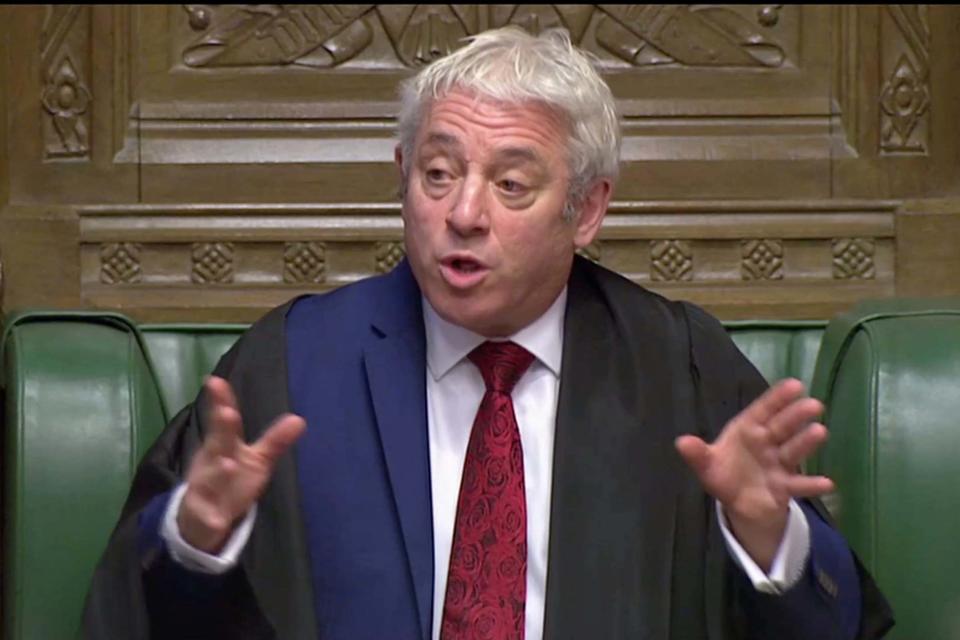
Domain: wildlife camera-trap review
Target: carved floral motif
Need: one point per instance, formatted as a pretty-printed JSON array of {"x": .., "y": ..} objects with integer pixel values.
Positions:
[
  {"x": 389, "y": 254},
  {"x": 761, "y": 259},
  {"x": 905, "y": 96},
  {"x": 853, "y": 258},
  {"x": 671, "y": 260},
  {"x": 65, "y": 97},
  {"x": 120, "y": 263},
  {"x": 212, "y": 262},
  {"x": 304, "y": 262}
]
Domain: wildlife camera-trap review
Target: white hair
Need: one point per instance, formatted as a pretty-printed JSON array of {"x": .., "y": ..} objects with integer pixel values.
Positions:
[{"x": 511, "y": 66}]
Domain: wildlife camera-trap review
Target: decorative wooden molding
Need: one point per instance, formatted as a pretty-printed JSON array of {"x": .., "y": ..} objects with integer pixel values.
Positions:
[
  {"x": 65, "y": 64},
  {"x": 120, "y": 263},
  {"x": 398, "y": 36},
  {"x": 688, "y": 35},
  {"x": 212, "y": 262},
  {"x": 762, "y": 259},
  {"x": 793, "y": 256},
  {"x": 388, "y": 255},
  {"x": 304, "y": 262},
  {"x": 853, "y": 258},
  {"x": 671, "y": 260},
  {"x": 905, "y": 95}
]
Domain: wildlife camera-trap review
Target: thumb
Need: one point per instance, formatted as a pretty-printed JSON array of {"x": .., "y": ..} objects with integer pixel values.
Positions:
[
  {"x": 695, "y": 452},
  {"x": 279, "y": 437}
]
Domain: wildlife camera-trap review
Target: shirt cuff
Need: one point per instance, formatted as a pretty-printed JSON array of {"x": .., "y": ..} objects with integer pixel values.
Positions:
[
  {"x": 194, "y": 559},
  {"x": 789, "y": 561}
]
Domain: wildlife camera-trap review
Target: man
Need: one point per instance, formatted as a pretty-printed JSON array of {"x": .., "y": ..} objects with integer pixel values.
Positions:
[{"x": 496, "y": 428}]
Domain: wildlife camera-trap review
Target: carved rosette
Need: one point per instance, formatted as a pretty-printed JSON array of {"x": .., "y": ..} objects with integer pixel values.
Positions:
[
  {"x": 120, "y": 263},
  {"x": 592, "y": 251},
  {"x": 853, "y": 259},
  {"x": 65, "y": 97},
  {"x": 905, "y": 96},
  {"x": 761, "y": 259},
  {"x": 304, "y": 262},
  {"x": 389, "y": 255},
  {"x": 213, "y": 262},
  {"x": 671, "y": 260}
]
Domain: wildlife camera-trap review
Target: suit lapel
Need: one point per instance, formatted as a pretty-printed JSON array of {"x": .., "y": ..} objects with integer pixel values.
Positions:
[
  {"x": 615, "y": 474},
  {"x": 395, "y": 365}
]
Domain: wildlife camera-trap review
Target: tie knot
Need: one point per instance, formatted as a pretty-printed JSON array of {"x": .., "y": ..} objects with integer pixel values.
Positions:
[{"x": 501, "y": 364}]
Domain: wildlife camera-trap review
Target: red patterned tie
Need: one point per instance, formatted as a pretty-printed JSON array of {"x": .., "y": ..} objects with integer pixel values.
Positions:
[{"x": 487, "y": 580}]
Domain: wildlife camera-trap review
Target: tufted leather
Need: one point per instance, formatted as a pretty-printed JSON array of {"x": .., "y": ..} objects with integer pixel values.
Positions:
[
  {"x": 86, "y": 394},
  {"x": 889, "y": 373}
]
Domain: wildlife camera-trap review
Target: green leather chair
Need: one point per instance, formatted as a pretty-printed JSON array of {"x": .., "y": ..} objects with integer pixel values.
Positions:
[
  {"x": 86, "y": 394},
  {"x": 889, "y": 373}
]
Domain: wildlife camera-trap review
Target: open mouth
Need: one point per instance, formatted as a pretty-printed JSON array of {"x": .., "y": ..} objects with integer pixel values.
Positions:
[
  {"x": 465, "y": 265},
  {"x": 463, "y": 272}
]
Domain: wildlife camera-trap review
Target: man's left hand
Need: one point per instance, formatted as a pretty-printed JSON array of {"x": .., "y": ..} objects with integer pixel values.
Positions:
[{"x": 753, "y": 467}]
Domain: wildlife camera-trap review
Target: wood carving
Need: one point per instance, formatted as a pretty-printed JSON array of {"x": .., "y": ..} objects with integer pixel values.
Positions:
[
  {"x": 65, "y": 50},
  {"x": 671, "y": 260},
  {"x": 905, "y": 96},
  {"x": 388, "y": 255},
  {"x": 761, "y": 259},
  {"x": 120, "y": 263},
  {"x": 306, "y": 35},
  {"x": 304, "y": 262},
  {"x": 689, "y": 35},
  {"x": 853, "y": 258},
  {"x": 212, "y": 262}
]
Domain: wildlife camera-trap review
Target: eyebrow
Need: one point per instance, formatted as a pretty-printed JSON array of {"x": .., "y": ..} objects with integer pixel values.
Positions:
[{"x": 507, "y": 154}]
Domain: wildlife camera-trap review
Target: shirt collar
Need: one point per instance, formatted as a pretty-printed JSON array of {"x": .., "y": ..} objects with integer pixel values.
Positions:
[{"x": 448, "y": 343}]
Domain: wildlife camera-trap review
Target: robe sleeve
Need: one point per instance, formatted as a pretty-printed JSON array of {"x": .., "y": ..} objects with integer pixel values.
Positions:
[{"x": 728, "y": 383}]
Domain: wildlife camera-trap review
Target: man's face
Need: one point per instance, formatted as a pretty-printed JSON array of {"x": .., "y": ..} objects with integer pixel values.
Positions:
[{"x": 483, "y": 212}]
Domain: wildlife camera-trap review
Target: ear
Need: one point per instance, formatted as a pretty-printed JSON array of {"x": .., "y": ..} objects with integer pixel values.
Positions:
[
  {"x": 592, "y": 211},
  {"x": 401, "y": 178}
]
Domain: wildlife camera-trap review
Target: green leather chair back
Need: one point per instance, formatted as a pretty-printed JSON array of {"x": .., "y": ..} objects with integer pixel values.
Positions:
[
  {"x": 889, "y": 373},
  {"x": 183, "y": 354},
  {"x": 75, "y": 384},
  {"x": 779, "y": 348},
  {"x": 86, "y": 395}
]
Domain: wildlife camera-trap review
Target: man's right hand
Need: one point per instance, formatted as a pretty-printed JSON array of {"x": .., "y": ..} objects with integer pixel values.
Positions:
[{"x": 227, "y": 475}]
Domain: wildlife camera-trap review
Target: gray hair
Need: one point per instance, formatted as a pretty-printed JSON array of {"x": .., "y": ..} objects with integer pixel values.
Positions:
[{"x": 509, "y": 65}]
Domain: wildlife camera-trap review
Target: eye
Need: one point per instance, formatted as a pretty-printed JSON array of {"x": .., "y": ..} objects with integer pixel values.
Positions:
[
  {"x": 511, "y": 187},
  {"x": 437, "y": 175}
]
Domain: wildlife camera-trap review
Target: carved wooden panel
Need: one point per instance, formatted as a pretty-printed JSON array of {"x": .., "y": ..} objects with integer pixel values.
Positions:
[
  {"x": 715, "y": 253},
  {"x": 206, "y": 161}
]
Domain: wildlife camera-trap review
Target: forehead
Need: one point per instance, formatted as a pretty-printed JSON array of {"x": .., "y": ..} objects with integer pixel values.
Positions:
[{"x": 464, "y": 122}]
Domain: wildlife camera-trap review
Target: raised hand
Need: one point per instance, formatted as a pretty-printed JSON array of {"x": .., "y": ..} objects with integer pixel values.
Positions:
[
  {"x": 227, "y": 475},
  {"x": 752, "y": 468}
]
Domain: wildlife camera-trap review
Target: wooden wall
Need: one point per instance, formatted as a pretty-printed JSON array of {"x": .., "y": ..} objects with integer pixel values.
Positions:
[{"x": 204, "y": 162}]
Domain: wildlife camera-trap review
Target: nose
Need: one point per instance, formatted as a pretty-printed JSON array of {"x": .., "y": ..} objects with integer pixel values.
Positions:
[{"x": 468, "y": 214}]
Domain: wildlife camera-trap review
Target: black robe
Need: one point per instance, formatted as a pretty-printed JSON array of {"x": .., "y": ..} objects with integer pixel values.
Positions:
[{"x": 635, "y": 550}]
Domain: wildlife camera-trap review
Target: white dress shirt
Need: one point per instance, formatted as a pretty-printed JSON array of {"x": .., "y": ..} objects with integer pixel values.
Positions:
[{"x": 454, "y": 391}]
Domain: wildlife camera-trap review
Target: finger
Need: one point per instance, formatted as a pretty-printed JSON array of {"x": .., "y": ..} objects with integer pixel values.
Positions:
[
  {"x": 224, "y": 425},
  {"x": 800, "y": 486},
  {"x": 695, "y": 452},
  {"x": 772, "y": 401},
  {"x": 798, "y": 448},
  {"x": 279, "y": 437},
  {"x": 793, "y": 418}
]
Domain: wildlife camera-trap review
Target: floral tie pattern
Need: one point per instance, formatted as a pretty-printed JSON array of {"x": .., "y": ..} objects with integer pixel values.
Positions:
[{"x": 487, "y": 580}]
